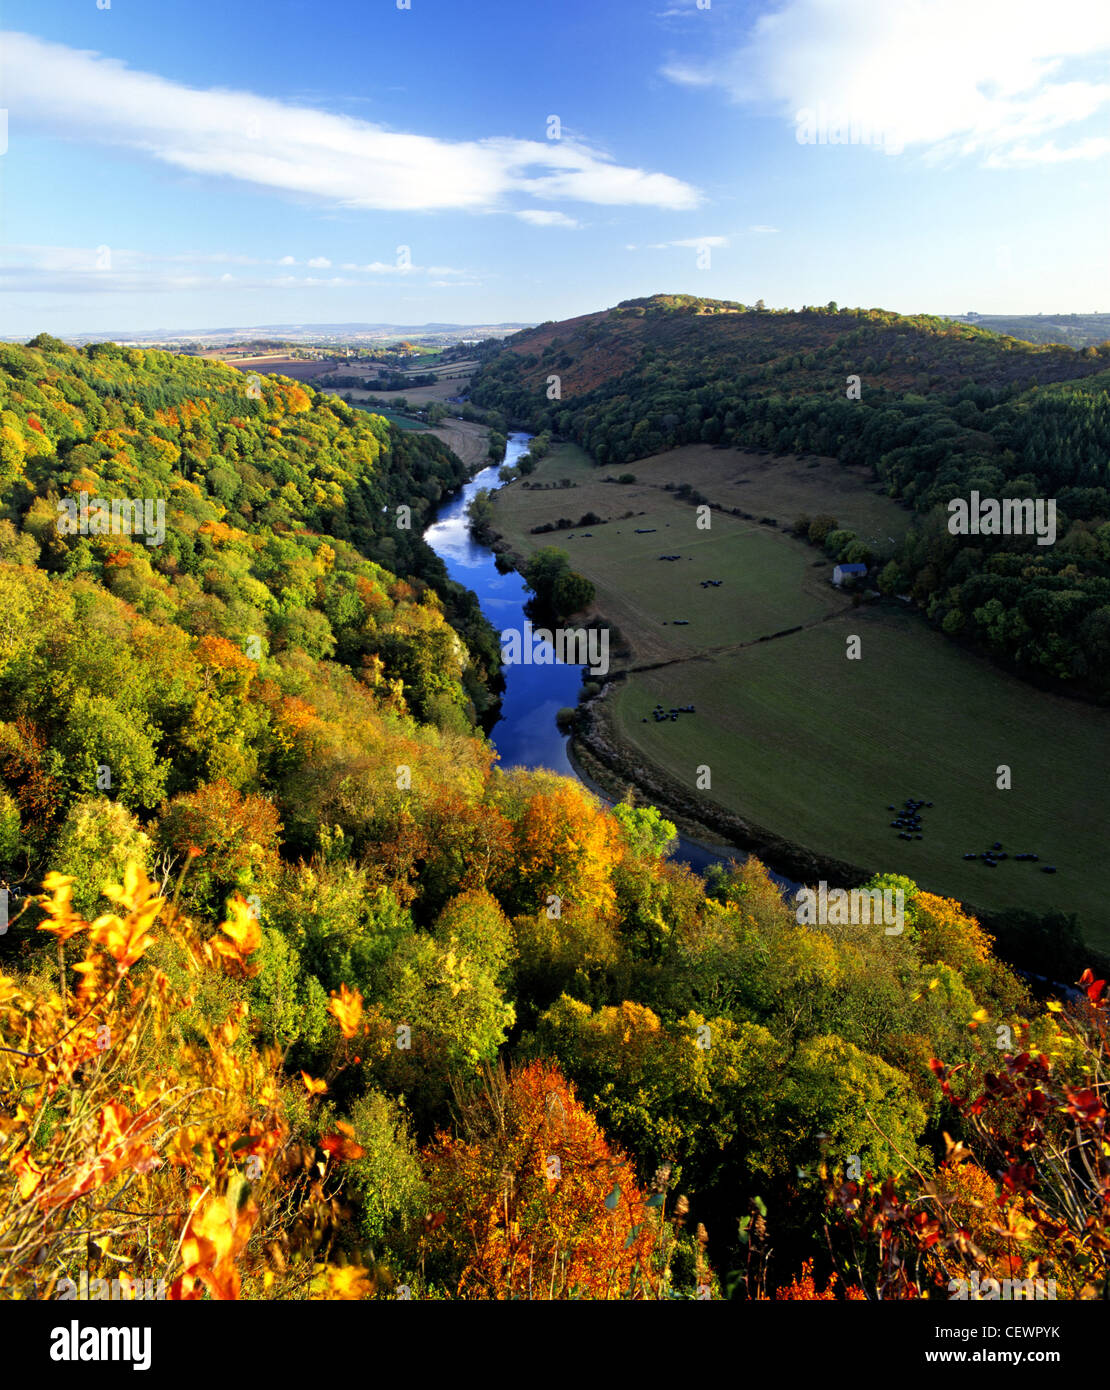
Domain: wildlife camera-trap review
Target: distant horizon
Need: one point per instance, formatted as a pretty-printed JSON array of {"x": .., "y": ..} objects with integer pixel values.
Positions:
[{"x": 442, "y": 326}]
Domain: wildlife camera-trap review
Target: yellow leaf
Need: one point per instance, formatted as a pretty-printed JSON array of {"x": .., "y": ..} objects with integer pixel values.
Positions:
[
  {"x": 243, "y": 929},
  {"x": 347, "y": 1282},
  {"x": 346, "y": 1009}
]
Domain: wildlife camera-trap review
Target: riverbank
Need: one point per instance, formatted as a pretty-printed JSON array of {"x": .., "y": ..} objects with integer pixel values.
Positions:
[
  {"x": 599, "y": 757},
  {"x": 607, "y": 766},
  {"x": 711, "y": 833},
  {"x": 813, "y": 714}
]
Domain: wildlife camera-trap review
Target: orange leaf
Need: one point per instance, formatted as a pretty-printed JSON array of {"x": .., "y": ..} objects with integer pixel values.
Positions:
[
  {"x": 27, "y": 1175},
  {"x": 341, "y": 1147},
  {"x": 346, "y": 1008}
]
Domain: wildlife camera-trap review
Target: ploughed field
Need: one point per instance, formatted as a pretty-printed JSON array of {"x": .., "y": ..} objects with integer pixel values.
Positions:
[
  {"x": 449, "y": 386},
  {"x": 798, "y": 739}
]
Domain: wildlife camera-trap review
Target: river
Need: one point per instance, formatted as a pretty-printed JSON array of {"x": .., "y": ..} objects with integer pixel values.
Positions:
[{"x": 525, "y": 734}]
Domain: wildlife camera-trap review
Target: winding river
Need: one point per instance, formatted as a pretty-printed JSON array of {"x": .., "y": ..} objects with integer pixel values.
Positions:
[{"x": 525, "y": 734}]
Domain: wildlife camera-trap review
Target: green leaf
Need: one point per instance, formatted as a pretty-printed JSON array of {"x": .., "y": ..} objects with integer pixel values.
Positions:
[{"x": 613, "y": 1198}]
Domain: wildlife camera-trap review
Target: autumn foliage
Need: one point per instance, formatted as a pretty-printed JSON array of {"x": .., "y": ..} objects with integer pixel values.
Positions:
[
  {"x": 530, "y": 1201},
  {"x": 303, "y": 996},
  {"x": 1023, "y": 1195},
  {"x": 140, "y": 1146}
]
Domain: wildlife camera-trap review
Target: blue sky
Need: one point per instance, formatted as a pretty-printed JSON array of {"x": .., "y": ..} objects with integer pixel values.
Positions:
[{"x": 203, "y": 165}]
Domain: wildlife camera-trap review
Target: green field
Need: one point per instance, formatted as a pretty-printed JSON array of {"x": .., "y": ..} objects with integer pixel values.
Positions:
[
  {"x": 769, "y": 580},
  {"x": 814, "y": 747},
  {"x": 406, "y": 422},
  {"x": 800, "y": 740},
  {"x": 783, "y": 487}
]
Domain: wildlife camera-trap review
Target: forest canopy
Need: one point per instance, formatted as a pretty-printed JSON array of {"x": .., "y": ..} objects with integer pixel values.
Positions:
[{"x": 345, "y": 1009}]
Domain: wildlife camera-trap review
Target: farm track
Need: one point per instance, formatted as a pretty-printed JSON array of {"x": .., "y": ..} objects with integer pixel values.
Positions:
[{"x": 711, "y": 653}]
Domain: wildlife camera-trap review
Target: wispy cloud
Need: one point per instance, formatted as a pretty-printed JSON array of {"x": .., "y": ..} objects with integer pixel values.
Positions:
[
  {"x": 694, "y": 241},
  {"x": 299, "y": 150},
  {"x": 687, "y": 9},
  {"x": 546, "y": 217},
  {"x": 993, "y": 79},
  {"x": 105, "y": 269}
]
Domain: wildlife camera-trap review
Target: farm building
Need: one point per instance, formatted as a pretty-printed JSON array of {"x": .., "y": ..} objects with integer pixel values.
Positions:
[{"x": 843, "y": 572}]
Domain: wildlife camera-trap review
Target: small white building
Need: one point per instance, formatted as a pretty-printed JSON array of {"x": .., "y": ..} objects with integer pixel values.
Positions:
[{"x": 843, "y": 572}]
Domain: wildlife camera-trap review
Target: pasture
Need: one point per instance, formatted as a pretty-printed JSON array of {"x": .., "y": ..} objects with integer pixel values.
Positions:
[
  {"x": 800, "y": 740},
  {"x": 783, "y": 487},
  {"x": 396, "y": 417},
  {"x": 768, "y": 580},
  {"x": 815, "y": 747},
  {"x": 468, "y": 439}
]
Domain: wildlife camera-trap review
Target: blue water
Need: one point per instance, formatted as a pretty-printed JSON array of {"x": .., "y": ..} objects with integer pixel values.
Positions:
[{"x": 526, "y": 734}]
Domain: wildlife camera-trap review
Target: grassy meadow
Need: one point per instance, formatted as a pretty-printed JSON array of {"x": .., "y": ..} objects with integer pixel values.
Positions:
[{"x": 799, "y": 739}]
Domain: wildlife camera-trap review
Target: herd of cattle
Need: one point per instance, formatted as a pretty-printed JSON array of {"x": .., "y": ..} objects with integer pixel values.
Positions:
[{"x": 908, "y": 824}]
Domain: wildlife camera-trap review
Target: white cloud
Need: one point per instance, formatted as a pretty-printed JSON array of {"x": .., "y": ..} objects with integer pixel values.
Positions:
[
  {"x": 760, "y": 230},
  {"x": 319, "y": 263},
  {"x": 102, "y": 269},
  {"x": 1018, "y": 155},
  {"x": 302, "y": 151},
  {"x": 696, "y": 242},
  {"x": 989, "y": 78},
  {"x": 686, "y": 9},
  {"x": 545, "y": 217}
]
